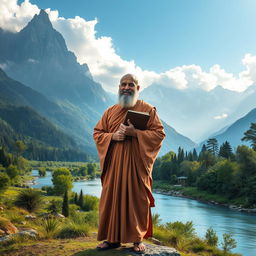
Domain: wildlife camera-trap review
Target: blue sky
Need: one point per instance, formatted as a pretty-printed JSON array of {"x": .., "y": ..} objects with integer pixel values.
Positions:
[
  {"x": 180, "y": 44},
  {"x": 163, "y": 34}
]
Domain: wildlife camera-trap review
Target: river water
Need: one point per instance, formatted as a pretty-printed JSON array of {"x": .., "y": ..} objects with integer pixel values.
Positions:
[{"x": 170, "y": 208}]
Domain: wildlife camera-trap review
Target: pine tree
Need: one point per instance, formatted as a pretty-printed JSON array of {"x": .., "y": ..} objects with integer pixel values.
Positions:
[
  {"x": 212, "y": 146},
  {"x": 250, "y": 135},
  {"x": 81, "y": 199},
  {"x": 65, "y": 206},
  {"x": 190, "y": 156},
  {"x": 195, "y": 156},
  {"x": 76, "y": 198},
  {"x": 226, "y": 150},
  {"x": 180, "y": 155}
]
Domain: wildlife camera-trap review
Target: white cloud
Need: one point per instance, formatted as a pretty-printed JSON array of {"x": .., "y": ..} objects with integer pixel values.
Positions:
[
  {"x": 222, "y": 116},
  {"x": 107, "y": 66}
]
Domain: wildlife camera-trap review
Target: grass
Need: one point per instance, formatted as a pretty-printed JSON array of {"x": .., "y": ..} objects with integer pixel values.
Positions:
[{"x": 82, "y": 227}]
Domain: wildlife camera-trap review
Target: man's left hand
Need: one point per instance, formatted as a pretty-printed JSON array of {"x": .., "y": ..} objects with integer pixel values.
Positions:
[{"x": 129, "y": 129}]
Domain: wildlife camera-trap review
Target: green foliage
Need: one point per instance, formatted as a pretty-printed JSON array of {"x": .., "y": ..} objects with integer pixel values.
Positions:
[
  {"x": 42, "y": 171},
  {"x": 250, "y": 135},
  {"x": 49, "y": 227},
  {"x": 156, "y": 220},
  {"x": 29, "y": 199},
  {"x": 184, "y": 229},
  {"x": 73, "y": 229},
  {"x": 228, "y": 242},
  {"x": 226, "y": 150},
  {"x": 65, "y": 206},
  {"x": 90, "y": 203},
  {"x": 12, "y": 171},
  {"x": 212, "y": 146},
  {"x": 81, "y": 199},
  {"x": 54, "y": 206},
  {"x": 62, "y": 181},
  {"x": 211, "y": 237},
  {"x": 92, "y": 218},
  {"x": 4, "y": 182}
]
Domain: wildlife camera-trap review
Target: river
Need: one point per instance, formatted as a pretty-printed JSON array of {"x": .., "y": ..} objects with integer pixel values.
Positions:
[{"x": 170, "y": 208}]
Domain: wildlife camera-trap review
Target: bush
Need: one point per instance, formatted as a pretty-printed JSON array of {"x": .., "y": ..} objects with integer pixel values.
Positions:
[
  {"x": 29, "y": 199},
  {"x": 72, "y": 230},
  {"x": 92, "y": 218},
  {"x": 211, "y": 237},
  {"x": 228, "y": 242},
  {"x": 49, "y": 227},
  {"x": 4, "y": 182},
  {"x": 90, "y": 203}
]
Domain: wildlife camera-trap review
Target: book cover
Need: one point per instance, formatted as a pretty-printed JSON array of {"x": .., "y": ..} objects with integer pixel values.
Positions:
[{"x": 138, "y": 119}]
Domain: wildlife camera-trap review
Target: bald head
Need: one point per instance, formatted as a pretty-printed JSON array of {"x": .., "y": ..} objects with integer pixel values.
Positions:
[{"x": 130, "y": 77}]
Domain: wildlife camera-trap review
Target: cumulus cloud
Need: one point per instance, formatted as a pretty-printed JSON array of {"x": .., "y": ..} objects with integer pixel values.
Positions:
[
  {"x": 107, "y": 66},
  {"x": 222, "y": 116}
]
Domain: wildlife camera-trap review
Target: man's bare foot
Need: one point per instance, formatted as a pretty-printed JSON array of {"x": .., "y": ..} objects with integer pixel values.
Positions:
[
  {"x": 139, "y": 247},
  {"x": 107, "y": 245}
]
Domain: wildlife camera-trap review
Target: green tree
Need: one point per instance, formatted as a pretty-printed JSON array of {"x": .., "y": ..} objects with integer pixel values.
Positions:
[
  {"x": 211, "y": 237},
  {"x": 228, "y": 243},
  {"x": 226, "y": 150},
  {"x": 4, "y": 182},
  {"x": 65, "y": 205},
  {"x": 91, "y": 170},
  {"x": 181, "y": 155},
  {"x": 20, "y": 147},
  {"x": 12, "y": 171},
  {"x": 250, "y": 135},
  {"x": 54, "y": 206},
  {"x": 62, "y": 181},
  {"x": 29, "y": 199},
  {"x": 81, "y": 199},
  {"x": 195, "y": 156},
  {"x": 212, "y": 146},
  {"x": 42, "y": 171},
  {"x": 76, "y": 198}
]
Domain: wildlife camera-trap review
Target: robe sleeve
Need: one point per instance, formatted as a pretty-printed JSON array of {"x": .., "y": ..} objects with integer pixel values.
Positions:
[
  {"x": 150, "y": 140},
  {"x": 102, "y": 138}
]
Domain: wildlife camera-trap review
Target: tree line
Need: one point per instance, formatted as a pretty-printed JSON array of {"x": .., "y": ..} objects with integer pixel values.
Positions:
[{"x": 215, "y": 169}]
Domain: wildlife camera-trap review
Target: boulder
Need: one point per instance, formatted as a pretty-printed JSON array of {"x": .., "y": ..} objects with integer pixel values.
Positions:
[
  {"x": 7, "y": 227},
  {"x": 30, "y": 217}
]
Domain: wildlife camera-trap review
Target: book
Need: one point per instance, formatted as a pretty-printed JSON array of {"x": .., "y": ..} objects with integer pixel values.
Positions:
[{"x": 138, "y": 119}]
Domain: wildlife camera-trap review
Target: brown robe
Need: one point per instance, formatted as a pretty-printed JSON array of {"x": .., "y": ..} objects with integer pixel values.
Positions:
[{"x": 126, "y": 175}]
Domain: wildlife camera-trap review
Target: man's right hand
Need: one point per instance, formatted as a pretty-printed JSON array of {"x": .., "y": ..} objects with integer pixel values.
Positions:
[{"x": 118, "y": 136}]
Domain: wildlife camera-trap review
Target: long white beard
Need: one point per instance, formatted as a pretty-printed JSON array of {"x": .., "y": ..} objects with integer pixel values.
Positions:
[{"x": 127, "y": 101}]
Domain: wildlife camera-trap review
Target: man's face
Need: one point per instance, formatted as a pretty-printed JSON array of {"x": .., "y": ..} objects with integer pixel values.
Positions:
[
  {"x": 128, "y": 86},
  {"x": 128, "y": 92}
]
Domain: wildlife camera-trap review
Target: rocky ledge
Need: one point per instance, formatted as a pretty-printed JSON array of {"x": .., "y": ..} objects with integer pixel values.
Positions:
[{"x": 158, "y": 250}]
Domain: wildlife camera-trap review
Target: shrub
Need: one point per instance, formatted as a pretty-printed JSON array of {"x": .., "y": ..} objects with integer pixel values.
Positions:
[
  {"x": 90, "y": 203},
  {"x": 185, "y": 229},
  {"x": 92, "y": 218},
  {"x": 54, "y": 206},
  {"x": 29, "y": 199},
  {"x": 228, "y": 242},
  {"x": 49, "y": 227},
  {"x": 211, "y": 237},
  {"x": 156, "y": 219},
  {"x": 72, "y": 230}
]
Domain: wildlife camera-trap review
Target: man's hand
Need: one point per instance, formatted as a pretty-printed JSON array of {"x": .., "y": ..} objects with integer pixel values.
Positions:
[
  {"x": 118, "y": 135},
  {"x": 128, "y": 129}
]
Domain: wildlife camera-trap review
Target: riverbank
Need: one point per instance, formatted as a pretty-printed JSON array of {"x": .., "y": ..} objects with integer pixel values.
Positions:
[{"x": 202, "y": 196}]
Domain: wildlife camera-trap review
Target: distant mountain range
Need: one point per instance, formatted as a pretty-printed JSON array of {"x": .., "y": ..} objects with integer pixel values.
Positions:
[
  {"x": 42, "y": 77},
  {"x": 235, "y": 132}
]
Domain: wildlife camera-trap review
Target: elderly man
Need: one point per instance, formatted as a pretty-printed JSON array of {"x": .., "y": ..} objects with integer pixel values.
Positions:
[{"x": 126, "y": 170}]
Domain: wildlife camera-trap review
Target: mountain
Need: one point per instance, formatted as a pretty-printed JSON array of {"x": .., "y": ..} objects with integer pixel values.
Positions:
[
  {"x": 38, "y": 57},
  {"x": 235, "y": 132},
  {"x": 55, "y": 85},
  {"x": 14, "y": 92},
  {"x": 43, "y": 140},
  {"x": 194, "y": 112},
  {"x": 174, "y": 140}
]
